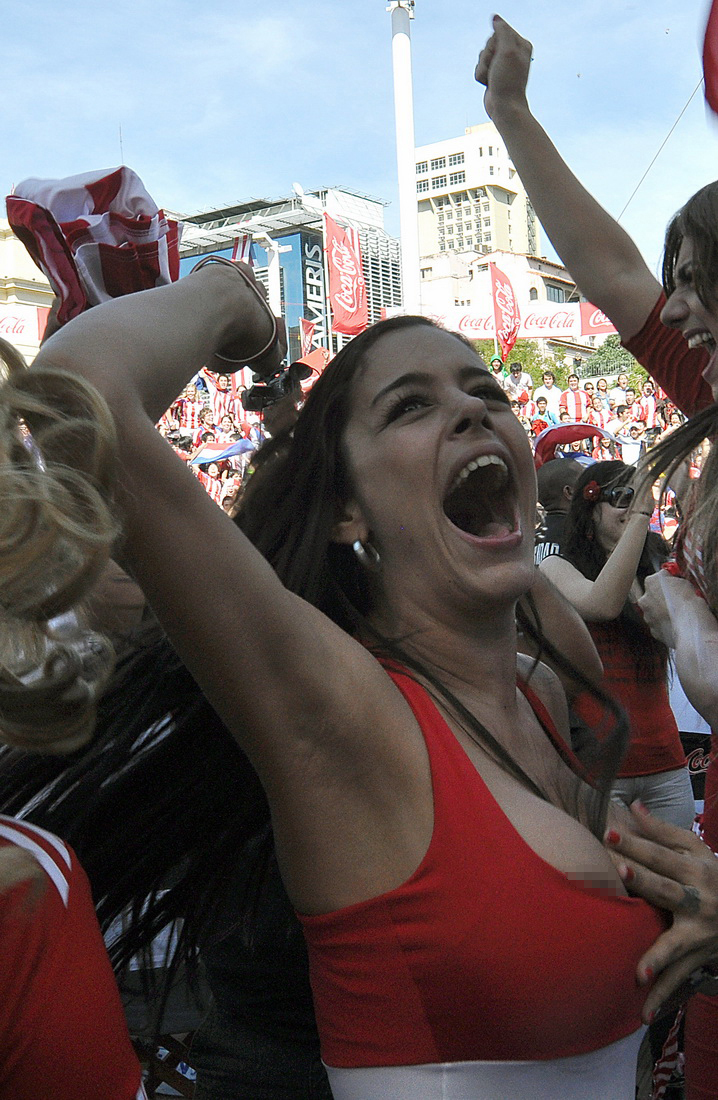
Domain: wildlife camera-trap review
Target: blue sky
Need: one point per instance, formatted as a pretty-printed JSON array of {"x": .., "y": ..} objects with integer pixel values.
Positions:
[{"x": 228, "y": 100}]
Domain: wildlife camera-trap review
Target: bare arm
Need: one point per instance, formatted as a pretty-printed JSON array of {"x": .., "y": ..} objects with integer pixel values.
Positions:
[
  {"x": 600, "y": 255},
  {"x": 336, "y": 779},
  {"x": 602, "y": 599},
  {"x": 564, "y": 628},
  {"x": 685, "y": 623}
]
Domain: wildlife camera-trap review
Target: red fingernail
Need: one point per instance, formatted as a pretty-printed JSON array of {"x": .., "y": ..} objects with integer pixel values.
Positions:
[
  {"x": 629, "y": 874},
  {"x": 649, "y": 974},
  {"x": 651, "y": 1017},
  {"x": 612, "y": 837}
]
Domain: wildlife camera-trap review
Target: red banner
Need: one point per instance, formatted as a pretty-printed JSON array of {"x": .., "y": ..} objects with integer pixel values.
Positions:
[
  {"x": 506, "y": 311},
  {"x": 347, "y": 287},
  {"x": 593, "y": 320},
  {"x": 710, "y": 58},
  {"x": 306, "y": 335}
]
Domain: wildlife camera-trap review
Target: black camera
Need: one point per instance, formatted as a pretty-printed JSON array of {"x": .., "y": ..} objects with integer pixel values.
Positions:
[{"x": 281, "y": 384}]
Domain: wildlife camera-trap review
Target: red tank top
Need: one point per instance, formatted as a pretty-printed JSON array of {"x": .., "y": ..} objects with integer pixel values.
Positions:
[
  {"x": 62, "y": 1027},
  {"x": 486, "y": 953},
  {"x": 655, "y": 744}
]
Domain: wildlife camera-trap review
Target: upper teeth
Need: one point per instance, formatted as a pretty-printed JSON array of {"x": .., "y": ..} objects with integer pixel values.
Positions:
[
  {"x": 482, "y": 460},
  {"x": 699, "y": 338}
]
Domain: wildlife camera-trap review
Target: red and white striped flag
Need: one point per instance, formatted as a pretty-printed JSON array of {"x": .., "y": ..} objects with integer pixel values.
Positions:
[
  {"x": 306, "y": 334},
  {"x": 242, "y": 249},
  {"x": 95, "y": 236},
  {"x": 506, "y": 311},
  {"x": 710, "y": 58}
]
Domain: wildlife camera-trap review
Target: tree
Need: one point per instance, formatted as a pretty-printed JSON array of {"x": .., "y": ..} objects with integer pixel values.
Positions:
[
  {"x": 532, "y": 360},
  {"x": 610, "y": 360}
]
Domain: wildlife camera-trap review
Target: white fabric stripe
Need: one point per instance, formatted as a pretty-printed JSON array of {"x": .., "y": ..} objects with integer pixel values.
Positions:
[
  {"x": 46, "y": 861},
  {"x": 605, "y": 1074},
  {"x": 57, "y": 844}
]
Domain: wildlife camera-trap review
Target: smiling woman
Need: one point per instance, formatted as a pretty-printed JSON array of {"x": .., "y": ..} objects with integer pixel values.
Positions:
[{"x": 380, "y": 550}]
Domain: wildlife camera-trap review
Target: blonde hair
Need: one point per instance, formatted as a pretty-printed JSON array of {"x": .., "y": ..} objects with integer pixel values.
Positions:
[{"x": 57, "y": 458}]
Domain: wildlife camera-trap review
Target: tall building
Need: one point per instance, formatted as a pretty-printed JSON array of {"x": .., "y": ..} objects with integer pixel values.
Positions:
[
  {"x": 295, "y": 229},
  {"x": 470, "y": 198}
]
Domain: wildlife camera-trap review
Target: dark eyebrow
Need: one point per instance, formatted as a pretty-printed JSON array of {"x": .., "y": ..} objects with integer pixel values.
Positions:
[{"x": 425, "y": 378}]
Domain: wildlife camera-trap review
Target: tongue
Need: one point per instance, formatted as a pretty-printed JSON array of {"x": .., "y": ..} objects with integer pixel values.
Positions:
[{"x": 493, "y": 530}]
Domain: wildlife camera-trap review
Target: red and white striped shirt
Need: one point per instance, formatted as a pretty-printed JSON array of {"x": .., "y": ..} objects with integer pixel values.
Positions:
[
  {"x": 213, "y": 485},
  {"x": 188, "y": 413},
  {"x": 576, "y": 403},
  {"x": 648, "y": 411},
  {"x": 598, "y": 417}
]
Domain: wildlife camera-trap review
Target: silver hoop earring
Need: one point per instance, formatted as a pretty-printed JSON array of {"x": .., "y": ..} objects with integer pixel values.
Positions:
[{"x": 366, "y": 555}]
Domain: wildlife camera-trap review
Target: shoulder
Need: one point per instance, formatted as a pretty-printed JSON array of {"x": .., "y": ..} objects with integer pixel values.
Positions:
[
  {"x": 543, "y": 683},
  {"x": 33, "y": 855}
]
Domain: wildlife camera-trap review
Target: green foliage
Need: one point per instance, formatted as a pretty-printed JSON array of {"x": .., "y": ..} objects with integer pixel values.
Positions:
[
  {"x": 610, "y": 360},
  {"x": 529, "y": 355}
]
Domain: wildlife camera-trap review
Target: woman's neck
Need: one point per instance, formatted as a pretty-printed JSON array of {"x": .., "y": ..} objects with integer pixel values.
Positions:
[{"x": 474, "y": 658}]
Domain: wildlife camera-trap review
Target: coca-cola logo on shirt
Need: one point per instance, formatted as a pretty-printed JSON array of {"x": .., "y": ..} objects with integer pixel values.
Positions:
[{"x": 351, "y": 280}]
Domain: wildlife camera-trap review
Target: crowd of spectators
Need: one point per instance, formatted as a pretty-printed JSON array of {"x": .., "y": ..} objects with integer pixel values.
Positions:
[
  {"x": 205, "y": 421},
  {"x": 636, "y": 420}
]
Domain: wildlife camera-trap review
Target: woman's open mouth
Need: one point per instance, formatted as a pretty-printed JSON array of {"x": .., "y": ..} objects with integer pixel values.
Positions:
[{"x": 481, "y": 501}]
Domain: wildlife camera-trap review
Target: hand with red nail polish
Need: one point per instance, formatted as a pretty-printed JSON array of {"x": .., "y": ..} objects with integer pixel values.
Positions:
[{"x": 674, "y": 870}]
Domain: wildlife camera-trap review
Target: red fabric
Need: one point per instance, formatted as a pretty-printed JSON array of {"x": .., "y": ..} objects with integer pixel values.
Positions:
[
  {"x": 95, "y": 236},
  {"x": 43, "y": 239},
  {"x": 677, "y": 369},
  {"x": 62, "y": 1025},
  {"x": 701, "y": 1035},
  {"x": 213, "y": 485},
  {"x": 710, "y": 58},
  {"x": 347, "y": 286},
  {"x": 668, "y": 359},
  {"x": 507, "y": 319},
  {"x": 485, "y": 953},
  {"x": 598, "y": 417},
  {"x": 577, "y": 403},
  {"x": 188, "y": 413},
  {"x": 105, "y": 190},
  {"x": 648, "y": 411},
  {"x": 655, "y": 745},
  {"x": 306, "y": 334}
]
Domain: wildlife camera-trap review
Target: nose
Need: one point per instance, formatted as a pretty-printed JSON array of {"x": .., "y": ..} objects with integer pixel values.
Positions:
[
  {"x": 472, "y": 412},
  {"x": 675, "y": 310}
]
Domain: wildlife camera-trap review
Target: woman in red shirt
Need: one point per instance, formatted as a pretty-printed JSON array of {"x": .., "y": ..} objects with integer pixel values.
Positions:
[{"x": 606, "y": 555}]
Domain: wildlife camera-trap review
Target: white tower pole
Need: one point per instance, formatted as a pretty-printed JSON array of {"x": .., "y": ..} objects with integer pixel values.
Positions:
[{"x": 402, "y": 11}]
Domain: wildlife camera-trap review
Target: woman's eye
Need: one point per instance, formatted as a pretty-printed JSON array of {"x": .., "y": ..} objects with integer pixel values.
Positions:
[
  {"x": 491, "y": 393},
  {"x": 405, "y": 405}
]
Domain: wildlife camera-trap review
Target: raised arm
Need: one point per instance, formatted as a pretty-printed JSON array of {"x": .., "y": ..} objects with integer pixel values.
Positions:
[
  {"x": 600, "y": 255},
  {"x": 685, "y": 623},
  {"x": 563, "y": 628},
  {"x": 259, "y": 652},
  {"x": 603, "y": 599}
]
